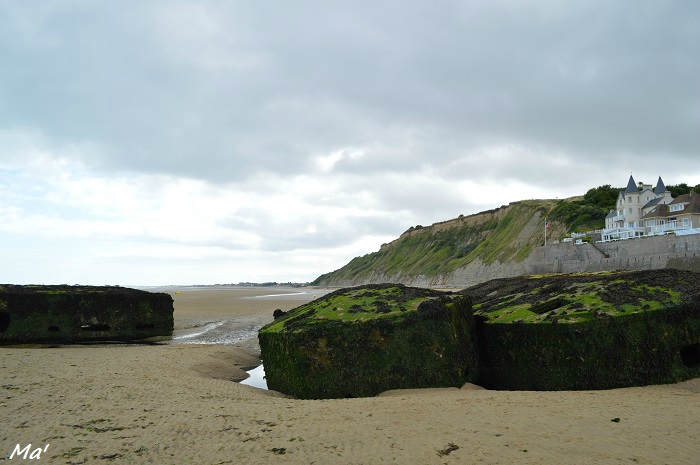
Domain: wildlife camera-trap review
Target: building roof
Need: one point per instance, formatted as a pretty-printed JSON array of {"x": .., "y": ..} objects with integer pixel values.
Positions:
[
  {"x": 653, "y": 202},
  {"x": 692, "y": 199},
  {"x": 611, "y": 214},
  {"x": 660, "y": 187},
  {"x": 631, "y": 185},
  {"x": 662, "y": 210}
]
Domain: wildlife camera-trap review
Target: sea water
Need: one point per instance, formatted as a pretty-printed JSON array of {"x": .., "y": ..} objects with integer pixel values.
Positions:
[
  {"x": 219, "y": 332},
  {"x": 256, "y": 378},
  {"x": 237, "y": 330}
]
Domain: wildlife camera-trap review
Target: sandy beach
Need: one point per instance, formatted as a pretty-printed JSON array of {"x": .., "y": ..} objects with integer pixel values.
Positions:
[{"x": 180, "y": 402}]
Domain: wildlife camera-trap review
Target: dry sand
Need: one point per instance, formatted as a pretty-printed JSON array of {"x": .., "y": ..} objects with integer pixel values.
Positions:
[{"x": 174, "y": 404}]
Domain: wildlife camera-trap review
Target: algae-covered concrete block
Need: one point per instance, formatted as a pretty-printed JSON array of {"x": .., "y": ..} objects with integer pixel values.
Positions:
[
  {"x": 82, "y": 313},
  {"x": 361, "y": 341},
  {"x": 588, "y": 331}
]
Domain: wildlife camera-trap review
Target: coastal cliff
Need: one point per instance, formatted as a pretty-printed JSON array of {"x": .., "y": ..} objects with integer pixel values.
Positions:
[
  {"x": 490, "y": 244},
  {"x": 503, "y": 243}
]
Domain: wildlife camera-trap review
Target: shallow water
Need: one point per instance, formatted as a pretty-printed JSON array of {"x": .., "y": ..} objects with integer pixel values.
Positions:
[
  {"x": 298, "y": 295},
  {"x": 218, "y": 332},
  {"x": 257, "y": 378},
  {"x": 239, "y": 329}
]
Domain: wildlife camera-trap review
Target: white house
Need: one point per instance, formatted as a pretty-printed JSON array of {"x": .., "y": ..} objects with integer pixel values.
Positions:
[{"x": 633, "y": 203}]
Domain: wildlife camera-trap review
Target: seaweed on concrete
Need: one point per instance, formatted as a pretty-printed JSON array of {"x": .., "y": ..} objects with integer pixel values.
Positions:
[
  {"x": 358, "y": 342},
  {"x": 65, "y": 313}
]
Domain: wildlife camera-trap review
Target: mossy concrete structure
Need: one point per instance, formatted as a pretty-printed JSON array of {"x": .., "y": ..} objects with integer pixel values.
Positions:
[
  {"x": 359, "y": 342},
  {"x": 30, "y": 314},
  {"x": 546, "y": 332},
  {"x": 588, "y": 331}
]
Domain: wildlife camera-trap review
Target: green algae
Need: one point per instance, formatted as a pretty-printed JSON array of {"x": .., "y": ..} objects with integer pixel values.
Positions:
[
  {"x": 397, "y": 338},
  {"x": 65, "y": 313},
  {"x": 588, "y": 330},
  {"x": 353, "y": 305},
  {"x": 577, "y": 301}
]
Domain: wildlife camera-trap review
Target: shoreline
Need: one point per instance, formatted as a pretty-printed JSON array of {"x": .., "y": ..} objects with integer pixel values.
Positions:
[{"x": 179, "y": 403}]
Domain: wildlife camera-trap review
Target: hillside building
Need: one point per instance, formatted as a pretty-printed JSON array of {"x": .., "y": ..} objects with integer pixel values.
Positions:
[{"x": 646, "y": 211}]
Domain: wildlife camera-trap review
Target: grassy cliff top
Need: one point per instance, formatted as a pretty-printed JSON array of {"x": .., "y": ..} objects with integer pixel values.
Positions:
[
  {"x": 506, "y": 234},
  {"x": 357, "y": 304},
  {"x": 582, "y": 297}
]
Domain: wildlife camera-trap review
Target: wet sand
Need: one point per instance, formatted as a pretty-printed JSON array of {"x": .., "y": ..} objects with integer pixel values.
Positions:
[{"x": 178, "y": 403}]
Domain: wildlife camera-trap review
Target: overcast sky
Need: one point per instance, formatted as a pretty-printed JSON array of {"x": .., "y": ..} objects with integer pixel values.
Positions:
[{"x": 171, "y": 142}]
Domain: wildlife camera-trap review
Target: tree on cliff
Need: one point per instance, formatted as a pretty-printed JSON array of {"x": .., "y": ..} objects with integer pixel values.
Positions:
[{"x": 588, "y": 213}]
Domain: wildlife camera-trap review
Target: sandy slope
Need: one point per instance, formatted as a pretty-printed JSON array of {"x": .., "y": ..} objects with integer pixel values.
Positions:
[{"x": 176, "y": 404}]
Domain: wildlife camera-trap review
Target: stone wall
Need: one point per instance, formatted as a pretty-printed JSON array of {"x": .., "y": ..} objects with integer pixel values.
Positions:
[{"x": 648, "y": 253}]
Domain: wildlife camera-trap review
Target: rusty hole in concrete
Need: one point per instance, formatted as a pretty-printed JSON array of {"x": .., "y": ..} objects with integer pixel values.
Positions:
[{"x": 690, "y": 355}]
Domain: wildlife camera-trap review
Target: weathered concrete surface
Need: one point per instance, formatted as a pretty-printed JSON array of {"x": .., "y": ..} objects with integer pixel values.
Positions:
[
  {"x": 82, "y": 313},
  {"x": 359, "y": 342},
  {"x": 546, "y": 332},
  {"x": 647, "y": 253},
  {"x": 588, "y": 331}
]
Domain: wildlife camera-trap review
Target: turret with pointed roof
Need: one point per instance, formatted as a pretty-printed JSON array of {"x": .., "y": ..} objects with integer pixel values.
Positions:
[
  {"x": 660, "y": 187},
  {"x": 633, "y": 203}
]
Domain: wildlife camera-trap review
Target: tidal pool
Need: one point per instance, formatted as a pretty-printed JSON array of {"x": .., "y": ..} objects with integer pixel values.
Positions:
[{"x": 256, "y": 378}]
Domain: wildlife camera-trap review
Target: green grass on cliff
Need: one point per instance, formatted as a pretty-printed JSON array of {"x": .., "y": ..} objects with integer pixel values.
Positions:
[
  {"x": 425, "y": 252},
  {"x": 437, "y": 250}
]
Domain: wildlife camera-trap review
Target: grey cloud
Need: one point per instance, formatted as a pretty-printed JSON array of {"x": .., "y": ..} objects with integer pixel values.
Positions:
[
  {"x": 229, "y": 90},
  {"x": 309, "y": 232}
]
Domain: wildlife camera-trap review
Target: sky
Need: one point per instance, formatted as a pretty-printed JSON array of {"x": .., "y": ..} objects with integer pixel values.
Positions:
[{"x": 180, "y": 142}]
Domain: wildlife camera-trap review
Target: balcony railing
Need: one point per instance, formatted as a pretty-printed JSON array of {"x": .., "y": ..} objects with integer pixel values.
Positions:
[
  {"x": 621, "y": 234},
  {"x": 670, "y": 226}
]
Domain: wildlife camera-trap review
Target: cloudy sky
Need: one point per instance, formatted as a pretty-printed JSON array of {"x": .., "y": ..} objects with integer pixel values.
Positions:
[{"x": 171, "y": 142}]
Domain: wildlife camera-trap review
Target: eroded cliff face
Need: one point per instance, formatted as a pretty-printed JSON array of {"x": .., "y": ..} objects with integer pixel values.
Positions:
[
  {"x": 456, "y": 253},
  {"x": 503, "y": 243},
  {"x": 473, "y": 273}
]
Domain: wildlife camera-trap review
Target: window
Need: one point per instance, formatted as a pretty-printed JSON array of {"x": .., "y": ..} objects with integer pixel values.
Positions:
[
  {"x": 630, "y": 199},
  {"x": 686, "y": 222},
  {"x": 630, "y": 210},
  {"x": 651, "y": 223},
  {"x": 676, "y": 207}
]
